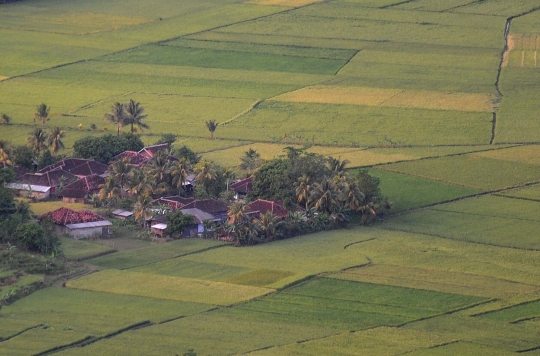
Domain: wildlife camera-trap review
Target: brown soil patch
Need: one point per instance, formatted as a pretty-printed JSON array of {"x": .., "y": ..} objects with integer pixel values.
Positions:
[
  {"x": 391, "y": 97},
  {"x": 3, "y": 78}
]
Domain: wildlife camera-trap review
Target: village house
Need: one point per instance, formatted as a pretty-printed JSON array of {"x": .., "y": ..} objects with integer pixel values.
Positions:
[
  {"x": 42, "y": 185},
  {"x": 200, "y": 217},
  {"x": 78, "y": 224},
  {"x": 261, "y": 206},
  {"x": 242, "y": 187},
  {"x": 214, "y": 207},
  {"x": 79, "y": 191},
  {"x": 174, "y": 202}
]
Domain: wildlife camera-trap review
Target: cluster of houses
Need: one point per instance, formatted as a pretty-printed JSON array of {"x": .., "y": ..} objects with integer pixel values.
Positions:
[{"x": 74, "y": 180}]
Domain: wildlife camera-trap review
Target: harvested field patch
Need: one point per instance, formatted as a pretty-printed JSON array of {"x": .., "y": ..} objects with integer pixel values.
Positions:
[
  {"x": 391, "y": 97},
  {"x": 147, "y": 255},
  {"x": 475, "y": 171},
  {"x": 489, "y": 230},
  {"x": 231, "y": 157},
  {"x": 351, "y": 305},
  {"x": 286, "y": 3},
  {"x": 40, "y": 208},
  {"x": 436, "y": 280},
  {"x": 214, "y": 333},
  {"x": 165, "y": 287},
  {"x": 3, "y": 78}
]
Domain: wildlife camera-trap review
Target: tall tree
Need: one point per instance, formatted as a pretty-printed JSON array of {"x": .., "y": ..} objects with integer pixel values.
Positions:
[
  {"x": 108, "y": 190},
  {"x": 268, "y": 224},
  {"x": 42, "y": 113},
  {"x": 37, "y": 140},
  {"x": 179, "y": 172},
  {"x": 337, "y": 166},
  {"x": 55, "y": 139},
  {"x": 135, "y": 115},
  {"x": 205, "y": 172},
  {"x": 142, "y": 209},
  {"x": 160, "y": 167},
  {"x": 302, "y": 190},
  {"x": 117, "y": 115},
  {"x": 141, "y": 182},
  {"x": 212, "y": 126},
  {"x": 250, "y": 161},
  {"x": 325, "y": 196},
  {"x": 120, "y": 170}
]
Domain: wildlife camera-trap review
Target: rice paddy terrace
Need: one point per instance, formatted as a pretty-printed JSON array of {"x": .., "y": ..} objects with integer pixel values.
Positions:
[{"x": 438, "y": 98}]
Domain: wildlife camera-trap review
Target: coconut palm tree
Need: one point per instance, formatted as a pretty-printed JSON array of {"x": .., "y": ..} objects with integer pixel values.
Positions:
[
  {"x": 109, "y": 190},
  {"x": 120, "y": 170},
  {"x": 229, "y": 176},
  {"x": 303, "y": 190},
  {"x": 55, "y": 139},
  {"x": 336, "y": 165},
  {"x": 42, "y": 113},
  {"x": 5, "y": 151},
  {"x": 325, "y": 196},
  {"x": 268, "y": 224},
  {"x": 141, "y": 182},
  {"x": 134, "y": 115},
  {"x": 37, "y": 140},
  {"x": 212, "y": 126},
  {"x": 117, "y": 116},
  {"x": 179, "y": 172},
  {"x": 204, "y": 173},
  {"x": 160, "y": 167},
  {"x": 238, "y": 213},
  {"x": 142, "y": 209},
  {"x": 6, "y": 119},
  {"x": 250, "y": 161}
]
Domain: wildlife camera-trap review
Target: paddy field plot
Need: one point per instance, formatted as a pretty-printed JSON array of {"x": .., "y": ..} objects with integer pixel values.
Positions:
[
  {"x": 69, "y": 315},
  {"x": 497, "y": 8},
  {"x": 531, "y": 192},
  {"x": 474, "y": 171},
  {"x": 460, "y": 348},
  {"x": 138, "y": 257},
  {"x": 515, "y": 314},
  {"x": 213, "y": 333},
  {"x": 166, "y": 287},
  {"x": 80, "y": 249},
  {"x": 409, "y": 192},
  {"x": 349, "y": 305},
  {"x": 385, "y": 341}
]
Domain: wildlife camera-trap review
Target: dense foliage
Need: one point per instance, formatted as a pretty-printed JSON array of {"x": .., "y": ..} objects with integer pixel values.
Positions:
[
  {"x": 104, "y": 148},
  {"x": 177, "y": 222}
]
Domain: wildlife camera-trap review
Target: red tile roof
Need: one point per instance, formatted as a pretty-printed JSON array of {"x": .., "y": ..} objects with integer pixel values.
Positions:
[
  {"x": 134, "y": 158},
  {"x": 243, "y": 186},
  {"x": 88, "y": 168},
  {"x": 262, "y": 206},
  {"x": 65, "y": 164},
  {"x": 149, "y": 151},
  {"x": 66, "y": 216}
]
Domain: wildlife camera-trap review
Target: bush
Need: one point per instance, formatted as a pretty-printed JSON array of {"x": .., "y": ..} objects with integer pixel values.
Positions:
[
  {"x": 104, "y": 148},
  {"x": 33, "y": 237}
]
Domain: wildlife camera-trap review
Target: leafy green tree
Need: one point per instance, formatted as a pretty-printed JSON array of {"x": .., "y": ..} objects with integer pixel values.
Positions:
[
  {"x": 7, "y": 203},
  {"x": 46, "y": 158},
  {"x": 7, "y": 175},
  {"x": 177, "y": 222},
  {"x": 167, "y": 138},
  {"x": 104, "y": 148},
  {"x": 134, "y": 115},
  {"x": 250, "y": 161},
  {"x": 212, "y": 126},
  {"x": 42, "y": 113},
  {"x": 120, "y": 170},
  {"x": 23, "y": 157},
  {"x": 6, "y": 119},
  {"x": 55, "y": 139},
  {"x": 117, "y": 115},
  {"x": 187, "y": 153},
  {"x": 37, "y": 140},
  {"x": 31, "y": 236}
]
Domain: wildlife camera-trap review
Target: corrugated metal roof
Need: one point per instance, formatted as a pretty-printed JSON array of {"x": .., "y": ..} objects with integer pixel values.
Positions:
[
  {"x": 123, "y": 213},
  {"x": 89, "y": 224},
  {"x": 23, "y": 186},
  {"x": 159, "y": 226}
]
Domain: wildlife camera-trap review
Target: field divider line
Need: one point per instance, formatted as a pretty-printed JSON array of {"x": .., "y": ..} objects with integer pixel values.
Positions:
[
  {"x": 517, "y": 198},
  {"x": 460, "y": 240},
  {"x": 392, "y": 97},
  {"x": 348, "y": 61},
  {"x": 430, "y": 347},
  {"x": 359, "y": 242},
  {"x": 245, "y": 112},
  {"x": 466, "y": 273},
  {"x": 90, "y": 105},
  {"x": 396, "y": 4},
  {"x": 521, "y": 320},
  {"x": 528, "y": 350},
  {"x": 478, "y": 214},
  {"x": 505, "y": 308},
  {"x": 192, "y": 96},
  {"x": 20, "y": 332}
]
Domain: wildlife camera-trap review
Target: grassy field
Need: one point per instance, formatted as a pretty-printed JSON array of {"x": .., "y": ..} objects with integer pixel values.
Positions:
[{"x": 404, "y": 88}]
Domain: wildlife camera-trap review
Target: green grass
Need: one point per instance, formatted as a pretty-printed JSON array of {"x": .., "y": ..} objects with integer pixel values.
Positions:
[
  {"x": 475, "y": 172},
  {"x": 499, "y": 8},
  {"x": 409, "y": 192},
  {"x": 80, "y": 249},
  {"x": 259, "y": 277},
  {"x": 73, "y": 315},
  {"x": 148, "y": 255},
  {"x": 227, "y": 59},
  {"x": 179, "y": 267},
  {"x": 166, "y": 287},
  {"x": 532, "y": 192}
]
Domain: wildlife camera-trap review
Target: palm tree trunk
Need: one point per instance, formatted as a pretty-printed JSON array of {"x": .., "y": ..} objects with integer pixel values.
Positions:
[{"x": 118, "y": 131}]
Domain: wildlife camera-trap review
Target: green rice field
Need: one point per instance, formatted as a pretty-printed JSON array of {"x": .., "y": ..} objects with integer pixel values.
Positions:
[{"x": 428, "y": 96}]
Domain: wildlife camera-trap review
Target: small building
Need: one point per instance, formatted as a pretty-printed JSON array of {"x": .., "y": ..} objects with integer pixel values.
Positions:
[
  {"x": 78, "y": 224},
  {"x": 52, "y": 179},
  {"x": 242, "y": 187},
  {"x": 150, "y": 151},
  {"x": 159, "y": 229},
  {"x": 261, "y": 206},
  {"x": 200, "y": 217},
  {"x": 38, "y": 192},
  {"x": 214, "y": 207},
  {"x": 175, "y": 202},
  {"x": 79, "y": 191},
  {"x": 66, "y": 164},
  {"x": 122, "y": 214}
]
